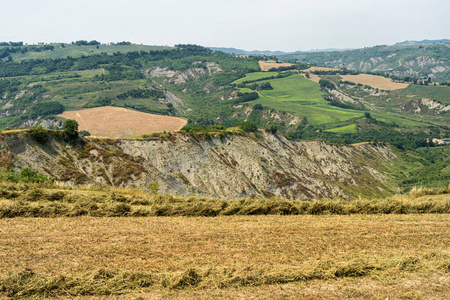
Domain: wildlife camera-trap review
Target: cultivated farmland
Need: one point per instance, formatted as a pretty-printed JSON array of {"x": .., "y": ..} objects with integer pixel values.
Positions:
[
  {"x": 267, "y": 65},
  {"x": 367, "y": 256},
  {"x": 116, "y": 122},
  {"x": 378, "y": 82}
]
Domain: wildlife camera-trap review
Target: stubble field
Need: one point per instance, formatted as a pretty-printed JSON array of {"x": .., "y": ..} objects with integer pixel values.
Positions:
[
  {"x": 117, "y": 122},
  {"x": 313, "y": 257},
  {"x": 374, "y": 81}
]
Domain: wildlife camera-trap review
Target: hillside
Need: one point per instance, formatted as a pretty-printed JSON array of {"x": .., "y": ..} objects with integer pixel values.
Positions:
[
  {"x": 232, "y": 165},
  {"x": 208, "y": 87},
  {"x": 427, "y": 60}
]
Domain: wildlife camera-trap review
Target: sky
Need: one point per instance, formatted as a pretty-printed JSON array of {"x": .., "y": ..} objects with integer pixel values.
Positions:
[{"x": 285, "y": 25}]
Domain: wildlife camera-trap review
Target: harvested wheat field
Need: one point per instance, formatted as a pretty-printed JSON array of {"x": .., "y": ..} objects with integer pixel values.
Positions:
[
  {"x": 309, "y": 257},
  {"x": 375, "y": 81},
  {"x": 118, "y": 122},
  {"x": 267, "y": 65},
  {"x": 311, "y": 69},
  {"x": 312, "y": 77}
]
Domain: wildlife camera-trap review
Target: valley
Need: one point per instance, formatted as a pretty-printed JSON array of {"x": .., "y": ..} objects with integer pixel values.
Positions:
[{"x": 131, "y": 172}]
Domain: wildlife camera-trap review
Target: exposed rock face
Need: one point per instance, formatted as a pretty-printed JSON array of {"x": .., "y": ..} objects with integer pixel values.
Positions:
[
  {"x": 180, "y": 77},
  {"x": 232, "y": 167}
]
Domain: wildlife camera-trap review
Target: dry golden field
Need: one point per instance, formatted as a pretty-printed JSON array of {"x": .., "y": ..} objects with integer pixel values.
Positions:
[
  {"x": 117, "y": 122},
  {"x": 311, "y": 69},
  {"x": 267, "y": 65},
  {"x": 262, "y": 257},
  {"x": 312, "y": 77},
  {"x": 374, "y": 81}
]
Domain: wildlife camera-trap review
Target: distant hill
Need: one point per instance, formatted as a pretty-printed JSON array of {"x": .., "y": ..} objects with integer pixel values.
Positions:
[
  {"x": 65, "y": 50},
  {"x": 424, "y": 42},
  {"x": 424, "y": 60},
  {"x": 269, "y": 52},
  {"x": 245, "y": 52}
]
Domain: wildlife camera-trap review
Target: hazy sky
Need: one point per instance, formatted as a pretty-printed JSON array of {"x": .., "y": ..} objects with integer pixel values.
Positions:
[{"x": 286, "y": 25}]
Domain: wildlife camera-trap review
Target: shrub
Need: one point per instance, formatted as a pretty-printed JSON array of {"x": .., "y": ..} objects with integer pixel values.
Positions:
[
  {"x": 248, "y": 127},
  {"x": 40, "y": 134}
]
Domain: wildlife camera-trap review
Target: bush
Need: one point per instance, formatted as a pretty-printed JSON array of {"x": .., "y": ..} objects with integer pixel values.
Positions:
[
  {"x": 248, "y": 127},
  {"x": 324, "y": 83},
  {"x": 85, "y": 133},
  {"x": 40, "y": 134}
]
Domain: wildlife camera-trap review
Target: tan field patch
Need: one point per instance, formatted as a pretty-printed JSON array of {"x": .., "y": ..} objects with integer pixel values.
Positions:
[
  {"x": 117, "y": 122},
  {"x": 267, "y": 65},
  {"x": 374, "y": 81},
  {"x": 312, "y": 77},
  {"x": 311, "y": 69}
]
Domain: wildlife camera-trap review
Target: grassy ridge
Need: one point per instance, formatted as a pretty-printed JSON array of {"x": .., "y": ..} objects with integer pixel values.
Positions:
[{"x": 78, "y": 51}]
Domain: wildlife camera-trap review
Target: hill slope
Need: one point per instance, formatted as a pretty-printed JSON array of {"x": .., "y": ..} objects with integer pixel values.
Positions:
[
  {"x": 231, "y": 166},
  {"x": 401, "y": 61}
]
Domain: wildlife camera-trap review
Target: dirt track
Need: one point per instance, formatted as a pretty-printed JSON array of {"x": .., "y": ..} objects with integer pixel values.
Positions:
[{"x": 117, "y": 122}]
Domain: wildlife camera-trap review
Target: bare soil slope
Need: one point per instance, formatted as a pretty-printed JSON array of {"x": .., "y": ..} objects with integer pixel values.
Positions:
[{"x": 117, "y": 122}]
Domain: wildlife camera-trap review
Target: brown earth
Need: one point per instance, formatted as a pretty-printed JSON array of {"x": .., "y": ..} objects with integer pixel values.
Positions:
[
  {"x": 267, "y": 65},
  {"x": 118, "y": 122},
  {"x": 374, "y": 81}
]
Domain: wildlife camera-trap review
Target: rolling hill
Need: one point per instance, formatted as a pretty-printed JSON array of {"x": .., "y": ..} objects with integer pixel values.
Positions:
[
  {"x": 211, "y": 87},
  {"x": 404, "y": 60}
]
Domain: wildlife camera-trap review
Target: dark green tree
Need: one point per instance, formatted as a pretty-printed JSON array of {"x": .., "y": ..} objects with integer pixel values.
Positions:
[{"x": 70, "y": 128}]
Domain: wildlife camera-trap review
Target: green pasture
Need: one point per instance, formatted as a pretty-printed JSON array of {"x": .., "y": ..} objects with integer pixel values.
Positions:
[
  {"x": 317, "y": 115},
  {"x": 294, "y": 88},
  {"x": 344, "y": 129},
  {"x": 255, "y": 76}
]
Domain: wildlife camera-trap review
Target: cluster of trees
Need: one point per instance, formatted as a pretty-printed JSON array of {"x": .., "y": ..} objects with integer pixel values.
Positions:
[
  {"x": 45, "y": 109},
  {"x": 102, "y": 101},
  {"x": 141, "y": 93},
  {"x": 86, "y": 43},
  {"x": 246, "y": 97},
  {"x": 327, "y": 84},
  {"x": 6, "y": 52},
  {"x": 261, "y": 87},
  {"x": 121, "y": 43},
  {"x": 9, "y": 85},
  {"x": 13, "y": 44},
  {"x": 296, "y": 66}
]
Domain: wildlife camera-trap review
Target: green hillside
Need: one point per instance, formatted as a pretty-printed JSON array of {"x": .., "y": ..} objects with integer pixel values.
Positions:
[{"x": 62, "y": 50}]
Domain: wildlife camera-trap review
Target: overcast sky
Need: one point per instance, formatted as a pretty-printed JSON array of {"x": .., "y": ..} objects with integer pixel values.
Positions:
[{"x": 286, "y": 25}]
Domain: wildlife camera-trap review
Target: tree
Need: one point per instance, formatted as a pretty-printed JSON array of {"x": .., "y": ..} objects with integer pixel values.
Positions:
[{"x": 70, "y": 128}]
